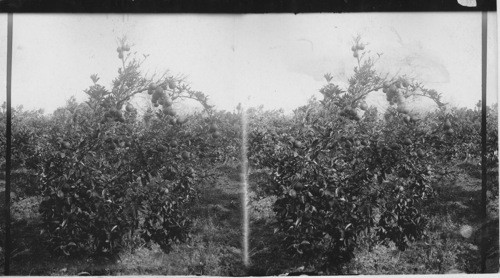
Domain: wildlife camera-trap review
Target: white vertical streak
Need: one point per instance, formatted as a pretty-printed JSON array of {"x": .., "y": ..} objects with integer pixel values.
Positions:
[{"x": 244, "y": 189}]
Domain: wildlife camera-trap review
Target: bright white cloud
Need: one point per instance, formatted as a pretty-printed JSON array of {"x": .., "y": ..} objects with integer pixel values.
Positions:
[{"x": 276, "y": 60}]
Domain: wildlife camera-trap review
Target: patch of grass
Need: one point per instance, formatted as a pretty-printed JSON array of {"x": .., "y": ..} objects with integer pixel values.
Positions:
[
  {"x": 26, "y": 209},
  {"x": 261, "y": 208},
  {"x": 205, "y": 254},
  {"x": 472, "y": 168}
]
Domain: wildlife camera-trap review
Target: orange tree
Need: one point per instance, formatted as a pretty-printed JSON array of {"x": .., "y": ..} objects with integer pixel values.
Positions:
[
  {"x": 457, "y": 138},
  {"x": 456, "y": 133},
  {"x": 108, "y": 177},
  {"x": 492, "y": 149},
  {"x": 341, "y": 174},
  {"x": 28, "y": 127}
]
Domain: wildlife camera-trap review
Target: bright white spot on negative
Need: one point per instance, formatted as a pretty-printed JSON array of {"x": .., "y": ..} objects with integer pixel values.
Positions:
[{"x": 466, "y": 231}]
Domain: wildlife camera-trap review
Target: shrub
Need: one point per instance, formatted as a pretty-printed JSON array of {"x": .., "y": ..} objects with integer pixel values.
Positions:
[
  {"x": 341, "y": 173},
  {"x": 106, "y": 176}
]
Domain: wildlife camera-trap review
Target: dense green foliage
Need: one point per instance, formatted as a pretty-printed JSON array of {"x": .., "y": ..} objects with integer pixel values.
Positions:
[
  {"x": 343, "y": 175},
  {"x": 109, "y": 177}
]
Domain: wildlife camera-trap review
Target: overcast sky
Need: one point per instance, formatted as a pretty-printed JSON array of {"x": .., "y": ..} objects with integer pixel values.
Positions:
[{"x": 275, "y": 60}]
